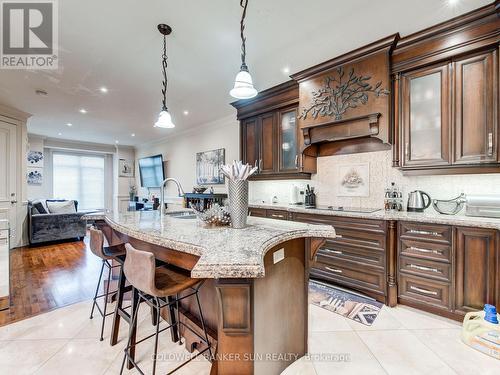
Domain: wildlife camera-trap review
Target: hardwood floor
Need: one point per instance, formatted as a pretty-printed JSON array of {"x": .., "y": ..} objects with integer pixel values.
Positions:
[{"x": 47, "y": 277}]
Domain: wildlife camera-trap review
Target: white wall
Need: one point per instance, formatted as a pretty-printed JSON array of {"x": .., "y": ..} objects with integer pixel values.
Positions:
[
  {"x": 179, "y": 151},
  {"x": 115, "y": 187}
]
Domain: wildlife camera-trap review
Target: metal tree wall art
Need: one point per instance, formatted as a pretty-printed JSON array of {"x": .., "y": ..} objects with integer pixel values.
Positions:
[{"x": 338, "y": 94}]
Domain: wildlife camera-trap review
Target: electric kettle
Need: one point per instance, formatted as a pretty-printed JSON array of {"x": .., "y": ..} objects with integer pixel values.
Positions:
[{"x": 416, "y": 201}]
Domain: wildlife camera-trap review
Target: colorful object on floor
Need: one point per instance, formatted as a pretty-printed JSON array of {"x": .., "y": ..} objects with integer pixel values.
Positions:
[
  {"x": 481, "y": 331},
  {"x": 359, "y": 308}
]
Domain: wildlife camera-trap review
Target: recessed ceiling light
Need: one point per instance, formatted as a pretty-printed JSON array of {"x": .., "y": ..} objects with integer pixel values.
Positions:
[
  {"x": 452, "y": 2},
  {"x": 286, "y": 70},
  {"x": 59, "y": 133},
  {"x": 83, "y": 110},
  {"x": 69, "y": 124},
  {"x": 103, "y": 89},
  {"x": 117, "y": 141},
  {"x": 133, "y": 134},
  {"x": 186, "y": 113}
]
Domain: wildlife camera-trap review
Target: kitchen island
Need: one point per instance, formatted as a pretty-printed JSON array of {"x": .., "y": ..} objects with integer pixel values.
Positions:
[{"x": 255, "y": 295}]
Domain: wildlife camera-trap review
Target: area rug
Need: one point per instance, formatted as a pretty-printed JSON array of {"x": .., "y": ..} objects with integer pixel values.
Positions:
[{"x": 359, "y": 308}]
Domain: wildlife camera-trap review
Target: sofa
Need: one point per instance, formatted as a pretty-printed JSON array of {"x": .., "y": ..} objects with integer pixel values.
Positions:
[{"x": 54, "y": 220}]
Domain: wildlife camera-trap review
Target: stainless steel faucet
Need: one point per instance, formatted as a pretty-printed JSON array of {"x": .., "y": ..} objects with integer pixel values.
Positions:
[{"x": 162, "y": 193}]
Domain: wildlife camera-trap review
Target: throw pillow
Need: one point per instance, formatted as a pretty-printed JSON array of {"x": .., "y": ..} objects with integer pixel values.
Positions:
[
  {"x": 39, "y": 207},
  {"x": 65, "y": 207}
]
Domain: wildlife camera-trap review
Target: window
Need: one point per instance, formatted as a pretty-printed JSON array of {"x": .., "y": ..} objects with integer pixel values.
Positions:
[{"x": 79, "y": 177}]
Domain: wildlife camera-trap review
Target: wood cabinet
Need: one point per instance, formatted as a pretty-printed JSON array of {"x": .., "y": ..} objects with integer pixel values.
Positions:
[
  {"x": 357, "y": 258},
  {"x": 269, "y": 137},
  {"x": 476, "y": 274},
  {"x": 426, "y": 116},
  {"x": 448, "y": 270},
  {"x": 475, "y": 79},
  {"x": 445, "y": 84}
]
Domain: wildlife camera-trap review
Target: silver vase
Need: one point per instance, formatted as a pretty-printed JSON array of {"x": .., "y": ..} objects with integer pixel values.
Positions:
[{"x": 238, "y": 203}]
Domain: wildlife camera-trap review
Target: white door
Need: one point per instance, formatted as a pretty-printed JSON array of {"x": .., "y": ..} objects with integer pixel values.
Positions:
[{"x": 8, "y": 165}]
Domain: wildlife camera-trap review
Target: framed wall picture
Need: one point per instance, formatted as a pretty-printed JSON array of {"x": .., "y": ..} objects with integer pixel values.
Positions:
[
  {"x": 208, "y": 166},
  {"x": 34, "y": 176},
  {"x": 354, "y": 180},
  {"x": 126, "y": 168},
  {"x": 34, "y": 159}
]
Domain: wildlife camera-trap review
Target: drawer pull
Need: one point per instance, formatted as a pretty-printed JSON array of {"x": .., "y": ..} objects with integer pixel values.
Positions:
[
  {"x": 424, "y": 291},
  {"x": 333, "y": 251},
  {"x": 420, "y": 250},
  {"x": 333, "y": 269},
  {"x": 278, "y": 216},
  {"x": 422, "y": 268},
  {"x": 424, "y": 232}
]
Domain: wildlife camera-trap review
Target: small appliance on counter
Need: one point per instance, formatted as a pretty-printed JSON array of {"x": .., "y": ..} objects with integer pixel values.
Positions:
[
  {"x": 416, "y": 201},
  {"x": 296, "y": 196},
  {"x": 393, "y": 200},
  {"x": 310, "y": 200},
  {"x": 482, "y": 205}
]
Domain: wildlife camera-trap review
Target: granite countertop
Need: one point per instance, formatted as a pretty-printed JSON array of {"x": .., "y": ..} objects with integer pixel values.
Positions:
[
  {"x": 429, "y": 216},
  {"x": 224, "y": 252}
]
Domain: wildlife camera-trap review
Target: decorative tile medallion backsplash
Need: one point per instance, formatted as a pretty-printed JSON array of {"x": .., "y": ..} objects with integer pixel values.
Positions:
[{"x": 381, "y": 174}]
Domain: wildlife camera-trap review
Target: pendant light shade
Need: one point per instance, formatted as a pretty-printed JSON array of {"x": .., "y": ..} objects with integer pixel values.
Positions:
[
  {"x": 164, "y": 118},
  {"x": 243, "y": 84}
]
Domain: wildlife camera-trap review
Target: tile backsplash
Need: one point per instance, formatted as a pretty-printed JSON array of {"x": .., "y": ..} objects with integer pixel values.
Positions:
[{"x": 381, "y": 176}]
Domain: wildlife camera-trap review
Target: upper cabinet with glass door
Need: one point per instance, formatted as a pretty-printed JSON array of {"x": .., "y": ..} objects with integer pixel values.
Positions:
[
  {"x": 426, "y": 116},
  {"x": 288, "y": 133}
]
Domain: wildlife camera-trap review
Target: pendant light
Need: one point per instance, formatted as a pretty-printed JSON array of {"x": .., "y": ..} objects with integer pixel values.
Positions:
[
  {"x": 243, "y": 85},
  {"x": 164, "y": 118}
]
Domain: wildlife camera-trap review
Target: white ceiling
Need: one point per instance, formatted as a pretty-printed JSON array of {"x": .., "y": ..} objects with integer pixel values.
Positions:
[{"x": 115, "y": 43}]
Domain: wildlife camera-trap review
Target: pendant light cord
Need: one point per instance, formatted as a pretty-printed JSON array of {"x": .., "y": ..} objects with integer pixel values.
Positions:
[
  {"x": 164, "y": 66},
  {"x": 243, "y": 4}
]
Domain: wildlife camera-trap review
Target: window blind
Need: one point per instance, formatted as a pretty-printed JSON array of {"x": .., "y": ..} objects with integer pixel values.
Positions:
[{"x": 79, "y": 177}]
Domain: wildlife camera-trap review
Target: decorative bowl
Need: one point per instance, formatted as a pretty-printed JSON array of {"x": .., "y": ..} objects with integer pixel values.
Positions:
[{"x": 199, "y": 189}]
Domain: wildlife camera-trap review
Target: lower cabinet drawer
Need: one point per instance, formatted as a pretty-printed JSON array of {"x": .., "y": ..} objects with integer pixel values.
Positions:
[
  {"x": 277, "y": 214},
  {"x": 425, "y": 250},
  {"x": 421, "y": 290},
  {"x": 361, "y": 278},
  {"x": 257, "y": 212},
  {"x": 333, "y": 251},
  {"x": 425, "y": 268}
]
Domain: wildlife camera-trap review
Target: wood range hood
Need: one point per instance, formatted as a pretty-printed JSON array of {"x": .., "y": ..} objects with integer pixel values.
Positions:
[{"x": 344, "y": 103}]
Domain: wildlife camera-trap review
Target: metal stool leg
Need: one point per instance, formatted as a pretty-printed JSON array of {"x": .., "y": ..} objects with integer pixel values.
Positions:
[
  {"x": 110, "y": 274},
  {"x": 157, "y": 313},
  {"x": 203, "y": 324},
  {"x": 97, "y": 291},
  {"x": 131, "y": 336}
]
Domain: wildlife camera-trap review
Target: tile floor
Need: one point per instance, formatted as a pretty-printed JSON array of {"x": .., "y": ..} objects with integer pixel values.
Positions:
[{"x": 401, "y": 341}]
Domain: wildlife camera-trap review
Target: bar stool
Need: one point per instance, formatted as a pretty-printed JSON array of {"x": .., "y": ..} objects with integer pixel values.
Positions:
[
  {"x": 159, "y": 287},
  {"x": 106, "y": 254}
]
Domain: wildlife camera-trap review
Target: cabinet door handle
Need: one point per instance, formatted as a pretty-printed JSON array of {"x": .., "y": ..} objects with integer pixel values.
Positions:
[
  {"x": 422, "y": 268},
  {"x": 424, "y": 232},
  {"x": 490, "y": 144},
  {"x": 407, "y": 150},
  {"x": 333, "y": 251},
  {"x": 424, "y": 291},
  {"x": 333, "y": 269},
  {"x": 260, "y": 164},
  {"x": 296, "y": 161},
  {"x": 426, "y": 251},
  {"x": 13, "y": 201}
]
